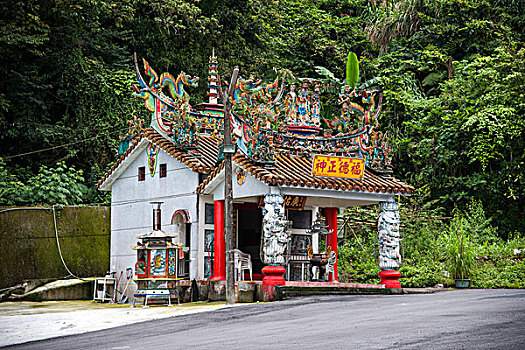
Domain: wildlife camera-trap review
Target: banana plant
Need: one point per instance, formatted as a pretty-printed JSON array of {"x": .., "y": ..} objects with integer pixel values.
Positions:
[
  {"x": 334, "y": 85},
  {"x": 352, "y": 70}
]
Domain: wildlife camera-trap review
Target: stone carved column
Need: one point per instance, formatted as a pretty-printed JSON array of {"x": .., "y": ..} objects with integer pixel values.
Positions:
[
  {"x": 274, "y": 247},
  {"x": 275, "y": 230},
  {"x": 389, "y": 243},
  {"x": 331, "y": 221}
]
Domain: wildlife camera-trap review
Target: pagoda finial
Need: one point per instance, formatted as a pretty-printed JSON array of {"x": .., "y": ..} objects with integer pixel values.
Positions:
[{"x": 213, "y": 87}]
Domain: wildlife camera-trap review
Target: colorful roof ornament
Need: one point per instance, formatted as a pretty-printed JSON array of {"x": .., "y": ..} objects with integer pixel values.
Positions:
[
  {"x": 303, "y": 110},
  {"x": 212, "y": 119},
  {"x": 135, "y": 129},
  {"x": 264, "y": 124},
  {"x": 171, "y": 114}
]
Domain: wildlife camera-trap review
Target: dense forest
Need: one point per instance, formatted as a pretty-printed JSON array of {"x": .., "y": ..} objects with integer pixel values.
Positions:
[{"x": 452, "y": 74}]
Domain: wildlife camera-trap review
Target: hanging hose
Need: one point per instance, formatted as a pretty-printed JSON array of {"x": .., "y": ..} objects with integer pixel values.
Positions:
[
  {"x": 59, "y": 249},
  {"x": 56, "y": 234}
]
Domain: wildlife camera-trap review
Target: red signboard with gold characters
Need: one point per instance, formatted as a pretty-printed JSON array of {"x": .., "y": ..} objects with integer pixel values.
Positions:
[
  {"x": 340, "y": 167},
  {"x": 290, "y": 202}
]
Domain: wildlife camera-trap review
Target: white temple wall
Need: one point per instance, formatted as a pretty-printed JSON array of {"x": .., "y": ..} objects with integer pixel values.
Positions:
[
  {"x": 132, "y": 213},
  {"x": 250, "y": 188}
]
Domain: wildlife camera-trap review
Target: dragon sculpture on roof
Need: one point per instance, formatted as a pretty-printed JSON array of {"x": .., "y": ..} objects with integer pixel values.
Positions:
[
  {"x": 171, "y": 114},
  {"x": 263, "y": 123}
]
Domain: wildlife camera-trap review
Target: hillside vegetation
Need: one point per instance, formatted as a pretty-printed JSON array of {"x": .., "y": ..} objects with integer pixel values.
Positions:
[{"x": 452, "y": 73}]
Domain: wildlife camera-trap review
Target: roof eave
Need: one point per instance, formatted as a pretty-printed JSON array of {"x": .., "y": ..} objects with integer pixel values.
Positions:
[
  {"x": 124, "y": 164},
  {"x": 216, "y": 181},
  {"x": 336, "y": 198},
  {"x": 378, "y": 194}
]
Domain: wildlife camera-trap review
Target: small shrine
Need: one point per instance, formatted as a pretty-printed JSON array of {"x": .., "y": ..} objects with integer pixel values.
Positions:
[
  {"x": 157, "y": 259},
  {"x": 294, "y": 159}
]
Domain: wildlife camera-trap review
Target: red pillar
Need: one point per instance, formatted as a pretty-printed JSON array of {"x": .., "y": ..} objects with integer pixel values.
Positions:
[
  {"x": 331, "y": 221},
  {"x": 390, "y": 278},
  {"x": 273, "y": 276},
  {"x": 219, "y": 245}
]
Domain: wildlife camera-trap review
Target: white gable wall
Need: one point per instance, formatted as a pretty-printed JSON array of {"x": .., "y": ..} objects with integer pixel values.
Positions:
[
  {"x": 250, "y": 188},
  {"x": 132, "y": 214}
]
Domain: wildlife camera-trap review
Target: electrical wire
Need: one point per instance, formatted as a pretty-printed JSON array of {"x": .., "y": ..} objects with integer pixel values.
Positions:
[{"x": 61, "y": 146}]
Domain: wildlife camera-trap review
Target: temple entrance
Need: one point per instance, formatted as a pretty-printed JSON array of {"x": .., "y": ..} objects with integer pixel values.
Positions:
[
  {"x": 249, "y": 228},
  {"x": 182, "y": 226},
  {"x": 297, "y": 268}
]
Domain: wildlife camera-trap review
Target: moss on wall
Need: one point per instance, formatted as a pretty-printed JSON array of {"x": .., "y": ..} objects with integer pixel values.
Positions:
[{"x": 29, "y": 250}]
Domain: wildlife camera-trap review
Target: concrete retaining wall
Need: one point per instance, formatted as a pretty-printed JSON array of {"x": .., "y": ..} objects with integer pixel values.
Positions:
[{"x": 29, "y": 250}]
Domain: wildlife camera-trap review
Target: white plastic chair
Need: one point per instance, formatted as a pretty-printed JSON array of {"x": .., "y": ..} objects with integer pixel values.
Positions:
[{"x": 242, "y": 262}]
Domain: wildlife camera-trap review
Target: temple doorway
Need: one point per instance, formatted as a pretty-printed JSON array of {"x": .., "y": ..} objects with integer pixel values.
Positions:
[{"x": 249, "y": 228}]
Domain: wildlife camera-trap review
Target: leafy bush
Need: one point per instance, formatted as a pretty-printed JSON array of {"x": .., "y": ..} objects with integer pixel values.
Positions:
[
  {"x": 421, "y": 274},
  {"x": 10, "y": 186},
  {"x": 356, "y": 261},
  {"x": 429, "y": 240},
  {"x": 500, "y": 273},
  {"x": 61, "y": 185}
]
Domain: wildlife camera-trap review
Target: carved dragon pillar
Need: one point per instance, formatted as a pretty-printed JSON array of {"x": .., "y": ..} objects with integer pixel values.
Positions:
[
  {"x": 389, "y": 243},
  {"x": 275, "y": 244}
]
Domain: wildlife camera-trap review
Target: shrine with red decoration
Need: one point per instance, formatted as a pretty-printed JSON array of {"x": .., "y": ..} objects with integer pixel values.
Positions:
[{"x": 294, "y": 168}]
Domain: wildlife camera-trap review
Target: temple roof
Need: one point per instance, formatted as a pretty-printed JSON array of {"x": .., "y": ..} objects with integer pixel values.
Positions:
[
  {"x": 287, "y": 170},
  {"x": 157, "y": 234},
  {"x": 292, "y": 170},
  {"x": 279, "y": 137},
  {"x": 202, "y": 160}
]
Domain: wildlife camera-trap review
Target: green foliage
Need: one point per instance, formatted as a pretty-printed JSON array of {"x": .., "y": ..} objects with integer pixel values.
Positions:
[
  {"x": 498, "y": 266},
  {"x": 502, "y": 273},
  {"x": 454, "y": 107},
  {"x": 60, "y": 185},
  {"x": 388, "y": 20},
  {"x": 435, "y": 248},
  {"x": 460, "y": 252},
  {"x": 10, "y": 186},
  {"x": 356, "y": 260},
  {"x": 93, "y": 196},
  {"x": 333, "y": 85},
  {"x": 356, "y": 253},
  {"x": 421, "y": 275}
]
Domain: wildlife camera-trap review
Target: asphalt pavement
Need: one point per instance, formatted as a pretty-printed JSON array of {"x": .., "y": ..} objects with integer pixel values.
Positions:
[{"x": 469, "y": 319}]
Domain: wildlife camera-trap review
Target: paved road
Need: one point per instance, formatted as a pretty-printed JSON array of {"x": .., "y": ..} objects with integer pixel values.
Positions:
[{"x": 471, "y": 319}]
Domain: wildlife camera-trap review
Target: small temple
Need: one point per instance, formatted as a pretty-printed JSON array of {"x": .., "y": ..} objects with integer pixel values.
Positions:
[{"x": 295, "y": 167}]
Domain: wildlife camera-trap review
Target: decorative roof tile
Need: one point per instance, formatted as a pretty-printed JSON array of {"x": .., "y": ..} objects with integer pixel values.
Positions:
[
  {"x": 293, "y": 170},
  {"x": 288, "y": 170},
  {"x": 202, "y": 160}
]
